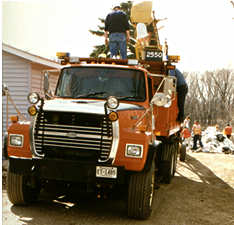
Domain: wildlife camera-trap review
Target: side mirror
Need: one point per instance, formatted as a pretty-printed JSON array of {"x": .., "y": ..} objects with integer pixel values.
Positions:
[
  {"x": 169, "y": 85},
  {"x": 160, "y": 99},
  {"x": 47, "y": 91},
  {"x": 165, "y": 98},
  {"x": 4, "y": 89},
  {"x": 46, "y": 82}
]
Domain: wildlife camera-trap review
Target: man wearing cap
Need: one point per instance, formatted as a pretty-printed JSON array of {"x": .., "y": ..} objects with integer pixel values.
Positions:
[{"x": 117, "y": 28}]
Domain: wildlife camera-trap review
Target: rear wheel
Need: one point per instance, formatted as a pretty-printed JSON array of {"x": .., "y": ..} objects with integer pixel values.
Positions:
[
  {"x": 182, "y": 153},
  {"x": 168, "y": 170},
  {"x": 141, "y": 193},
  {"x": 176, "y": 146},
  {"x": 20, "y": 189},
  {"x": 169, "y": 162}
]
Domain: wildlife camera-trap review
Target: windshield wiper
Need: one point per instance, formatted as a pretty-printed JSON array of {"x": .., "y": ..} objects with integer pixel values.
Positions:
[
  {"x": 128, "y": 97},
  {"x": 90, "y": 94}
]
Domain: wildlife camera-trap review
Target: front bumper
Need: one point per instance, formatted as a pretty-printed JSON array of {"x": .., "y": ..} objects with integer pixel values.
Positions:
[{"x": 62, "y": 170}]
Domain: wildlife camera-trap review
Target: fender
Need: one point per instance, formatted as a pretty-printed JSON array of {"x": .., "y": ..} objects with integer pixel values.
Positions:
[{"x": 151, "y": 155}]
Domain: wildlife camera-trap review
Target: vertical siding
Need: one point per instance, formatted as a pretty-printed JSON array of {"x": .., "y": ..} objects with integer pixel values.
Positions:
[
  {"x": 36, "y": 81},
  {"x": 21, "y": 76},
  {"x": 16, "y": 75}
]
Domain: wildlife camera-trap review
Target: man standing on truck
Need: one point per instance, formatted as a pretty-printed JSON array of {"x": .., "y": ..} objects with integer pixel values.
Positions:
[
  {"x": 182, "y": 90},
  {"x": 117, "y": 27}
]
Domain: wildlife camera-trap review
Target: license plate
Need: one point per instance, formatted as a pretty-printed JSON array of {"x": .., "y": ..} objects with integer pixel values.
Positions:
[{"x": 106, "y": 172}]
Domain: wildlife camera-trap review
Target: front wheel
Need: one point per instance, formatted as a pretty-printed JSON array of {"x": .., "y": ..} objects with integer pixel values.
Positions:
[
  {"x": 141, "y": 193},
  {"x": 20, "y": 189}
]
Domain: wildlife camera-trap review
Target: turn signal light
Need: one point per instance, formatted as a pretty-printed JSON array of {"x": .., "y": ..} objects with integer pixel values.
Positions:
[
  {"x": 113, "y": 116},
  {"x": 32, "y": 110},
  {"x": 14, "y": 119}
]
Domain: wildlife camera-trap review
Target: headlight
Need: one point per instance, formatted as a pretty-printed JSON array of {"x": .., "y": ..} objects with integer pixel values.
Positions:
[
  {"x": 16, "y": 140},
  {"x": 160, "y": 99},
  {"x": 112, "y": 102},
  {"x": 33, "y": 98},
  {"x": 133, "y": 150}
]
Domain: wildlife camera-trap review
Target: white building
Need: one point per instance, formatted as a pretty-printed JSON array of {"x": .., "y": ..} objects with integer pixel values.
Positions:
[{"x": 22, "y": 72}]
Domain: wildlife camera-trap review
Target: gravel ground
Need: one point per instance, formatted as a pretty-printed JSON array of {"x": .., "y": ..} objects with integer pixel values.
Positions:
[{"x": 201, "y": 193}]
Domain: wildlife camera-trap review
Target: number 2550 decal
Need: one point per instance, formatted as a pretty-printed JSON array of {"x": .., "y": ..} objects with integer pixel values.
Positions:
[{"x": 153, "y": 54}]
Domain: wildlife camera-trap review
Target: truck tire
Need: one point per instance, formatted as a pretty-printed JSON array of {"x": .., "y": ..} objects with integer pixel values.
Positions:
[
  {"x": 168, "y": 163},
  {"x": 19, "y": 189},
  {"x": 141, "y": 193},
  {"x": 182, "y": 153},
  {"x": 168, "y": 169}
]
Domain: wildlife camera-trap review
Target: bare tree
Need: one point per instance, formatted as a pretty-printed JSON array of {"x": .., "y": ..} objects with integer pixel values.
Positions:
[{"x": 211, "y": 96}]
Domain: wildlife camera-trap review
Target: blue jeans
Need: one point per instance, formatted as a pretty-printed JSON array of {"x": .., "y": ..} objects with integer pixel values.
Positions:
[{"x": 117, "y": 43}]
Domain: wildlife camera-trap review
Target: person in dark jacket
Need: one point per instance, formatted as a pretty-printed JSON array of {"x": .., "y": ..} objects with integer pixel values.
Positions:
[
  {"x": 117, "y": 28},
  {"x": 182, "y": 90}
]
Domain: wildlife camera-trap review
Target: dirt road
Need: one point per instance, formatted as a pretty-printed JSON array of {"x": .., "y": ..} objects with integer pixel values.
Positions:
[{"x": 201, "y": 193}]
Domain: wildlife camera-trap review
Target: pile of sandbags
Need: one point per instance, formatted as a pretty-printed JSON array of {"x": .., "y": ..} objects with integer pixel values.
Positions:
[{"x": 215, "y": 141}]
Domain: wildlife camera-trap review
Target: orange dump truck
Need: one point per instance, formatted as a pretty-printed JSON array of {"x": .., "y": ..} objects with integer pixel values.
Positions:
[{"x": 111, "y": 124}]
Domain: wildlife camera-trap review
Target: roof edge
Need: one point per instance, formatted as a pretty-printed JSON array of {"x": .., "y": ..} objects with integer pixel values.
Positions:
[{"x": 30, "y": 57}]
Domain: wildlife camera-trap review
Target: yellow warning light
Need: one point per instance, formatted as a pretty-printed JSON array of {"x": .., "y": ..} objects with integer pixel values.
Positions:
[
  {"x": 174, "y": 58},
  {"x": 62, "y": 55},
  {"x": 157, "y": 133}
]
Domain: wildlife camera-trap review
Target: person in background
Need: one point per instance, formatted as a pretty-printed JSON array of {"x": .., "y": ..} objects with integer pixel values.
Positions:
[
  {"x": 187, "y": 122},
  {"x": 182, "y": 90},
  {"x": 185, "y": 133},
  {"x": 197, "y": 135},
  {"x": 228, "y": 131},
  {"x": 217, "y": 129},
  {"x": 117, "y": 28}
]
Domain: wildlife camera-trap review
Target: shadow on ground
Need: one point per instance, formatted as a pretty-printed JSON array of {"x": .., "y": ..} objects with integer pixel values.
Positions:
[{"x": 195, "y": 196}]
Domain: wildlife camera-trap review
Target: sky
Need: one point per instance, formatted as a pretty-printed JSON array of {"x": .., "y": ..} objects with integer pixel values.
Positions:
[{"x": 200, "y": 31}]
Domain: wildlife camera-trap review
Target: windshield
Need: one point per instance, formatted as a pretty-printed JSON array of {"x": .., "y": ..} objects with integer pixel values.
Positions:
[{"x": 87, "y": 82}]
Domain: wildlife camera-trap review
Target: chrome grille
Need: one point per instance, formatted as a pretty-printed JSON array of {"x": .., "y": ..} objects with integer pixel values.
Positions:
[{"x": 73, "y": 135}]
